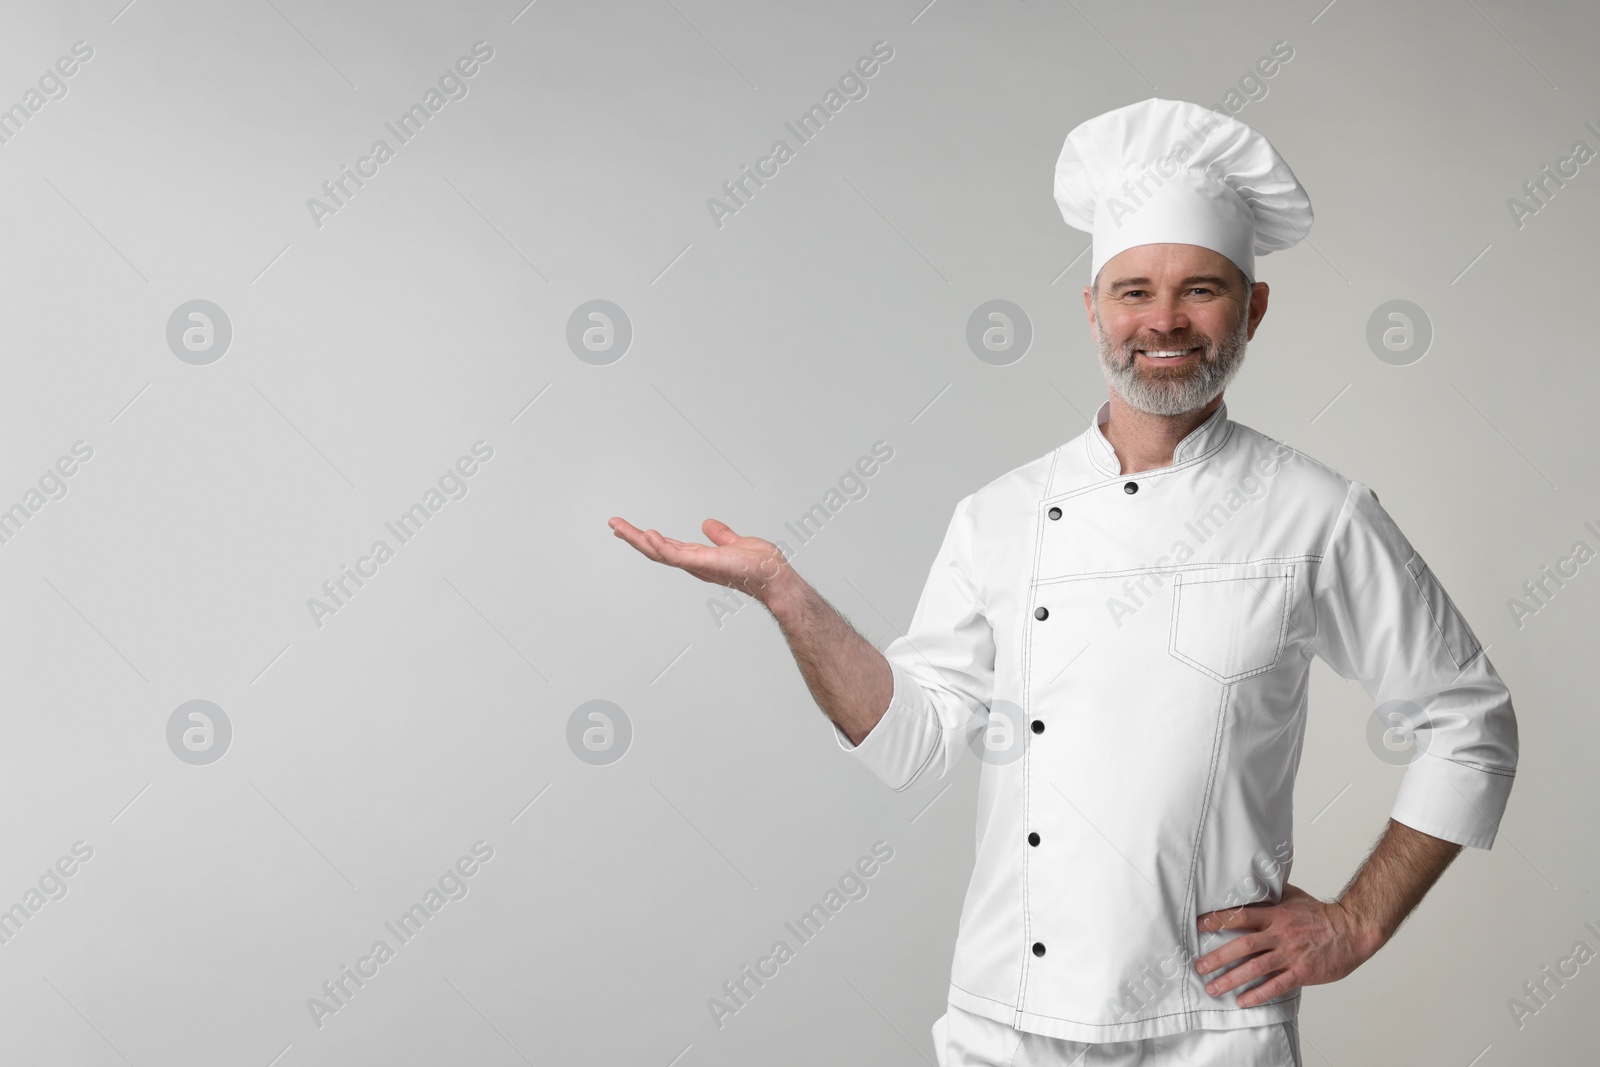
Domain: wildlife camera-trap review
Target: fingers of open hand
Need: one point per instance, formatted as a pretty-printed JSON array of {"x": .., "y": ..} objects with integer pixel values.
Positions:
[
  {"x": 1276, "y": 986},
  {"x": 1271, "y": 963},
  {"x": 1237, "y": 949},
  {"x": 650, "y": 542},
  {"x": 630, "y": 533},
  {"x": 717, "y": 532},
  {"x": 1265, "y": 961},
  {"x": 1244, "y": 917}
]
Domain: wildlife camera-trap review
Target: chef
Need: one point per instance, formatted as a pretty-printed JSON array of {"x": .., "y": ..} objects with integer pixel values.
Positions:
[{"x": 1122, "y": 630}]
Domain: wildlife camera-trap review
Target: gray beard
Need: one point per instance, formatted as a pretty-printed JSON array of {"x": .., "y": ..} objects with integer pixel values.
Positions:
[{"x": 1174, "y": 391}]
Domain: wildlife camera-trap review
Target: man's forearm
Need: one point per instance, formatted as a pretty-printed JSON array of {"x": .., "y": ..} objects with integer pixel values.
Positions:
[
  {"x": 1393, "y": 880},
  {"x": 848, "y": 678}
]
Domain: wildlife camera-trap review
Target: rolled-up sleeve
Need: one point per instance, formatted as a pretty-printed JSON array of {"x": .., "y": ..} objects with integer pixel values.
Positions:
[
  {"x": 1383, "y": 617},
  {"x": 943, "y": 671}
]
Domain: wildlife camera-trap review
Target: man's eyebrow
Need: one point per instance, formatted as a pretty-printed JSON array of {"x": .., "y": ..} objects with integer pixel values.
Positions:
[{"x": 1127, "y": 283}]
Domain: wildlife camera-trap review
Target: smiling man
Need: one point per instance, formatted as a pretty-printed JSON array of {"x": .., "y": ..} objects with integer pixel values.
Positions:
[{"x": 1122, "y": 631}]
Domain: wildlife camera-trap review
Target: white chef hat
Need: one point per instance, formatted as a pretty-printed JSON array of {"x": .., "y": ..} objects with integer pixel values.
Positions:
[{"x": 1172, "y": 172}]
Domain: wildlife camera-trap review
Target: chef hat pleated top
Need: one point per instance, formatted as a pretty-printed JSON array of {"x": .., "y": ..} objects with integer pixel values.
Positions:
[{"x": 1172, "y": 172}]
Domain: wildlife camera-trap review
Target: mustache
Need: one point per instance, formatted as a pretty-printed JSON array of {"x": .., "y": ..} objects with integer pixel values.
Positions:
[
  {"x": 1168, "y": 345},
  {"x": 1208, "y": 349}
]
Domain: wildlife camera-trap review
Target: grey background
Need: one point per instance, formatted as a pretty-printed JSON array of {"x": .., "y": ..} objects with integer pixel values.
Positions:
[{"x": 768, "y": 355}]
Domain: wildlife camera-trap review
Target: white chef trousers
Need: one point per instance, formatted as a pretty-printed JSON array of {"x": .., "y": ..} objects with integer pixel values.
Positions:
[{"x": 964, "y": 1039}]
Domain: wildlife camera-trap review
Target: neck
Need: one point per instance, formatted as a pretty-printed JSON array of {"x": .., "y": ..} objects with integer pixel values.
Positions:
[{"x": 1144, "y": 441}]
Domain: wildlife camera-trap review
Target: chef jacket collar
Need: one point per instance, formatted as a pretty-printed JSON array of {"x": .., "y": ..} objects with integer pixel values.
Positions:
[{"x": 1202, "y": 440}]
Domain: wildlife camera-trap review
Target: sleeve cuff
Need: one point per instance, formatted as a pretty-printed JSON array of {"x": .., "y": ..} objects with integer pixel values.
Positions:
[
  {"x": 907, "y": 736},
  {"x": 1453, "y": 801}
]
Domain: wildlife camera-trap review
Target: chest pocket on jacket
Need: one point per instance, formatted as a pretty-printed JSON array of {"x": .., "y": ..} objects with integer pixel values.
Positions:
[{"x": 1229, "y": 622}]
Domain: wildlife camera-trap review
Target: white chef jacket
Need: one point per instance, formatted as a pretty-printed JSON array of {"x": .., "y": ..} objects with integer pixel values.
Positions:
[{"x": 1154, "y": 633}]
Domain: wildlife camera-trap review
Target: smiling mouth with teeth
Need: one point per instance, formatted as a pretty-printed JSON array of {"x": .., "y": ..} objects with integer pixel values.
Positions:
[{"x": 1166, "y": 355}]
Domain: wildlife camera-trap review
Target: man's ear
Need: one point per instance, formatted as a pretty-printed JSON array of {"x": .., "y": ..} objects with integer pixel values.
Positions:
[{"x": 1258, "y": 307}]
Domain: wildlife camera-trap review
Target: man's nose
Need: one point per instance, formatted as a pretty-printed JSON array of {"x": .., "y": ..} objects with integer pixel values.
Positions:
[{"x": 1165, "y": 315}]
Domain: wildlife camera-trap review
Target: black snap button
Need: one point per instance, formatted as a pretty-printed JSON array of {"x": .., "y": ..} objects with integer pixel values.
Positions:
[
  {"x": 1033, "y": 839},
  {"x": 1038, "y": 726},
  {"x": 1041, "y": 613},
  {"x": 1055, "y": 513},
  {"x": 1038, "y": 948},
  {"x": 1131, "y": 487}
]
